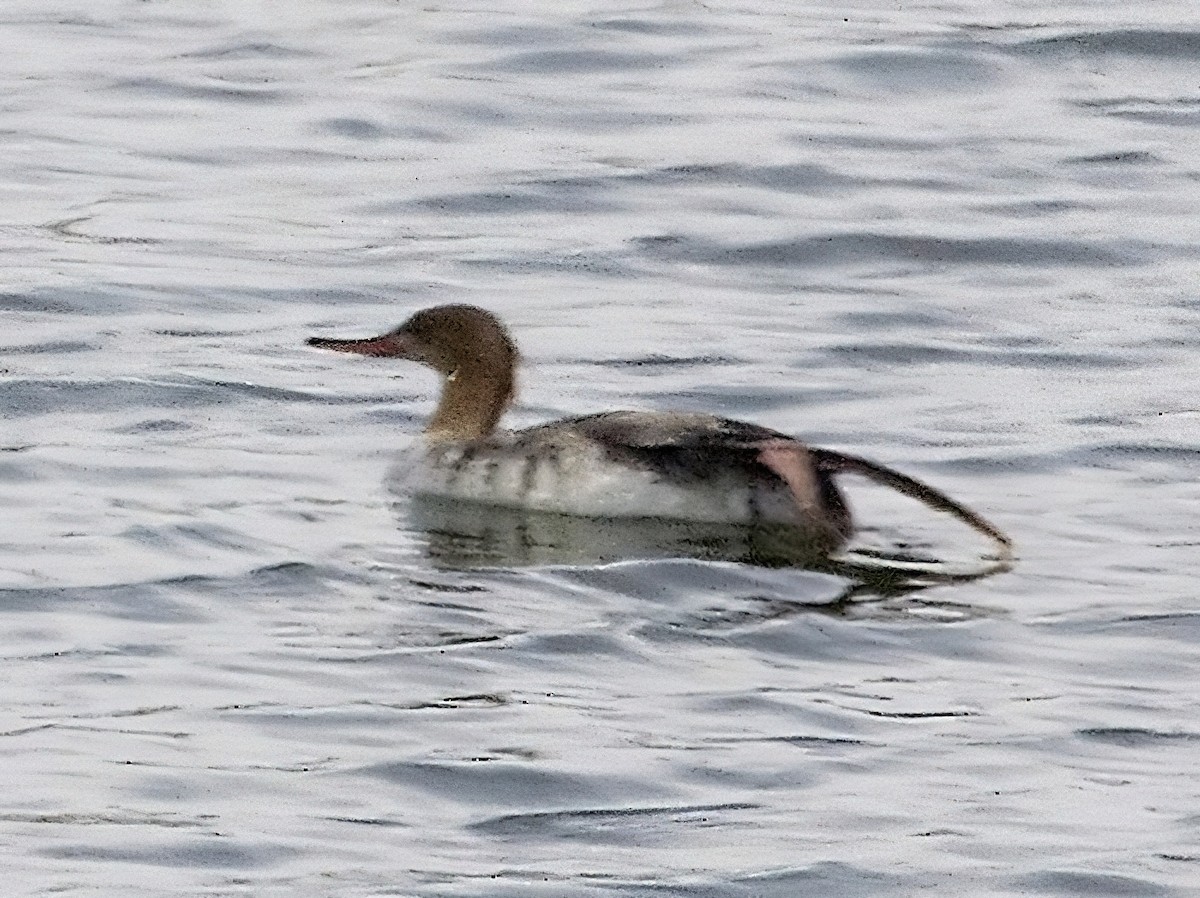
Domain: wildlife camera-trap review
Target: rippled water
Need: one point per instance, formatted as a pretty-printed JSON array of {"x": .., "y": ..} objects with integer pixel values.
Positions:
[{"x": 957, "y": 238}]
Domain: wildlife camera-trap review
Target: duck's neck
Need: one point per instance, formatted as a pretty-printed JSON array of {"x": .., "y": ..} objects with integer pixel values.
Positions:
[{"x": 471, "y": 404}]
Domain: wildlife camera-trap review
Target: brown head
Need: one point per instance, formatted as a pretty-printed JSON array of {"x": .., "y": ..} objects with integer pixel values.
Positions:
[{"x": 469, "y": 347}]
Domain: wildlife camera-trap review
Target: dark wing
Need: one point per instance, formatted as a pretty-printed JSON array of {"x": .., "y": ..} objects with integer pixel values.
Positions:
[{"x": 680, "y": 445}]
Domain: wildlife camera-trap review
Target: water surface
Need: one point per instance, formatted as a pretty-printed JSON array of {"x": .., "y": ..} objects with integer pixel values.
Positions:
[{"x": 954, "y": 238}]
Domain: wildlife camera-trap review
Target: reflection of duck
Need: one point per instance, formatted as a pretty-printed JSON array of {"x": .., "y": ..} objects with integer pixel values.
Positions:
[
  {"x": 681, "y": 466},
  {"x": 456, "y": 535}
]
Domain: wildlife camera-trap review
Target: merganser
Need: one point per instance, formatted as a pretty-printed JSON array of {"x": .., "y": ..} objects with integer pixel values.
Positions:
[{"x": 620, "y": 464}]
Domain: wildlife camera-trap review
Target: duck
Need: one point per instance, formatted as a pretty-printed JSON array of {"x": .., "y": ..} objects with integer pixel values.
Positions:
[{"x": 679, "y": 466}]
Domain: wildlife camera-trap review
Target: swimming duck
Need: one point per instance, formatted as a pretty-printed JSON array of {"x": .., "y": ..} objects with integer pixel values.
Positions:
[{"x": 620, "y": 464}]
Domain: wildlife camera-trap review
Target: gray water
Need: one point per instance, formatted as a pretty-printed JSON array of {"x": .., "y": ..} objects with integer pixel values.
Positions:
[{"x": 957, "y": 238}]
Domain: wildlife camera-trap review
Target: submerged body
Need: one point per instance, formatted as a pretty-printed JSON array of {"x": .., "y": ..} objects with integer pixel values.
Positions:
[
  {"x": 690, "y": 467},
  {"x": 673, "y": 465}
]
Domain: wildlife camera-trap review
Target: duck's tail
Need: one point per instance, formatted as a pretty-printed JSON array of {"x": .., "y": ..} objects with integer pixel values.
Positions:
[{"x": 840, "y": 463}]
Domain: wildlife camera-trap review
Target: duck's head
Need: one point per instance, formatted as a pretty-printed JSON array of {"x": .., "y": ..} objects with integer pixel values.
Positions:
[
  {"x": 469, "y": 347},
  {"x": 449, "y": 339}
]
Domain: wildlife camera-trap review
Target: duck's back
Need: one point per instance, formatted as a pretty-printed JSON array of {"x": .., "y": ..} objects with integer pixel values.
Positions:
[{"x": 639, "y": 464}]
